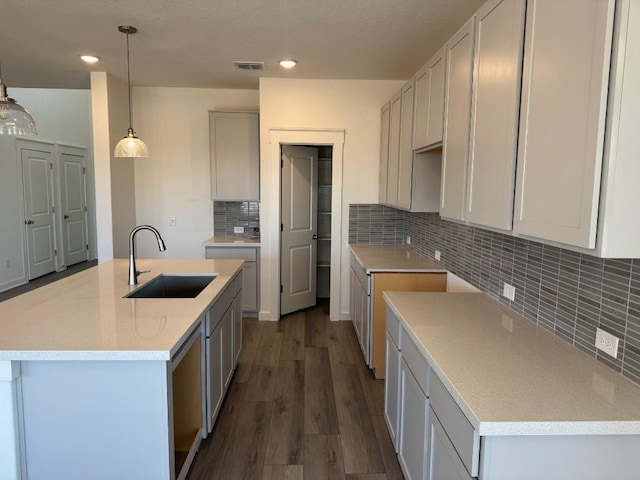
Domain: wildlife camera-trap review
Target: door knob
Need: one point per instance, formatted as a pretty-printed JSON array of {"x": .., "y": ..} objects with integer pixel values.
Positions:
[
  {"x": 314, "y": 237},
  {"x": 29, "y": 222},
  {"x": 66, "y": 217}
]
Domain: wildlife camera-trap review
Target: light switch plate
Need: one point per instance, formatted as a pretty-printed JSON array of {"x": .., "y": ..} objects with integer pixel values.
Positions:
[
  {"x": 238, "y": 229},
  {"x": 173, "y": 221},
  {"x": 437, "y": 255}
]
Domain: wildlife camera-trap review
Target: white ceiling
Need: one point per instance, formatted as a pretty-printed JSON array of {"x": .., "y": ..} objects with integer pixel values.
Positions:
[{"x": 192, "y": 43}]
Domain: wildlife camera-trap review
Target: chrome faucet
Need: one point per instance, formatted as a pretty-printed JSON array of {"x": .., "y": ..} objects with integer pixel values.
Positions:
[{"x": 133, "y": 272}]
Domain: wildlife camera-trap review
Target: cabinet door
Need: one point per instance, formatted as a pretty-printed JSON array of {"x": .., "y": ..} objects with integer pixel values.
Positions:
[
  {"x": 215, "y": 385},
  {"x": 414, "y": 417},
  {"x": 237, "y": 327},
  {"x": 405, "y": 162},
  {"x": 495, "y": 107},
  {"x": 395, "y": 113},
  {"x": 250, "y": 287},
  {"x": 429, "y": 102},
  {"x": 564, "y": 94},
  {"x": 392, "y": 390},
  {"x": 235, "y": 155},
  {"x": 443, "y": 459},
  {"x": 227, "y": 346},
  {"x": 455, "y": 152},
  {"x": 384, "y": 152},
  {"x": 365, "y": 313}
]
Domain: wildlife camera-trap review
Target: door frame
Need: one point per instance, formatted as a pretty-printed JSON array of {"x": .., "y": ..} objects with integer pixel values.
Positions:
[{"x": 271, "y": 191}]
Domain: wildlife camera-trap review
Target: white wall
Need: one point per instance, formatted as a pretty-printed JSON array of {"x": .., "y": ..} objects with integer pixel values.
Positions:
[
  {"x": 350, "y": 105},
  {"x": 62, "y": 116},
  {"x": 114, "y": 177},
  {"x": 175, "y": 179}
]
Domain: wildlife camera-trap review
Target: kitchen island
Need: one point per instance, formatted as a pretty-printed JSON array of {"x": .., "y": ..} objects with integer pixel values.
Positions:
[
  {"x": 480, "y": 391},
  {"x": 87, "y": 375}
]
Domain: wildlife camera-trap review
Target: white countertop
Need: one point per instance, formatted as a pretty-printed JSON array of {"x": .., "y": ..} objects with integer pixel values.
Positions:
[
  {"x": 231, "y": 241},
  {"x": 85, "y": 317},
  {"x": 392, "y": 258},
  {"x": 511, "y": 377}
]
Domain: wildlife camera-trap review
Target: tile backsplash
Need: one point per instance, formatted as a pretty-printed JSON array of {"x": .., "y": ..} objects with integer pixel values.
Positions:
[
  {"x": 376, "y": 224},
  {"x": 227, "y": 215},
  {"x": 568, "y": 293}
]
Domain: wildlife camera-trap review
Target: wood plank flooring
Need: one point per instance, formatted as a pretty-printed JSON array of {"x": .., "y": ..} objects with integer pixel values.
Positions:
[{"x": 302, "y": 405}]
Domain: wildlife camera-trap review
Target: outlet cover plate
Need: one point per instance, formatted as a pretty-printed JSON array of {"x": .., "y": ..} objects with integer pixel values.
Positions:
[
  {"x": 607, "y": 343},
  {"x": 238, "y": 229},
  {"x": 509, "y": 291},
  {"x": 436, "y": 255}
]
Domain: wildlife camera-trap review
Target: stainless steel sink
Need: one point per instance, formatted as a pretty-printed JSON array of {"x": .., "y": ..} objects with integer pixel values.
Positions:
[{"x": 173, "y": 286}]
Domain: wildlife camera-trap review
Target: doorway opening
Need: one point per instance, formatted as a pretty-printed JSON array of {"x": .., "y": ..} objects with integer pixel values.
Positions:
[{"x": 305, "y": 230}]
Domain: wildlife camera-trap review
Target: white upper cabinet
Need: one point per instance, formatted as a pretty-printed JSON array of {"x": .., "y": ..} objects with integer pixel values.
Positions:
[
  {"x": 405, "y": 163},
  {"x": 563, "y": 112},
  {"x": 455, "y": 152},
  {"x": 429, "y": 102},
  {"x": 235, "y": 155},
  {"x": 395, "y": 113},
  {"x": 384, "y": 153},
  {"x": 494, "y": 113}
]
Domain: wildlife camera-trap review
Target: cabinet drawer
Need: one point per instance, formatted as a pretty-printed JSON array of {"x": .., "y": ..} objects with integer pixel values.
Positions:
[
  {"x": 415, "y": 361},
  {"x": 393, "y": 327},
  {"x": 219, "y": 308},
  {"x": 247, "y": 253},
  {"x": 463, "y": 436}
]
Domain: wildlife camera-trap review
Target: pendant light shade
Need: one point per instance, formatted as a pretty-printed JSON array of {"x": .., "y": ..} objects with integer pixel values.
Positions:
[
  {"x": 131, "y": 145},
  {"x": 14, "y": 119}
]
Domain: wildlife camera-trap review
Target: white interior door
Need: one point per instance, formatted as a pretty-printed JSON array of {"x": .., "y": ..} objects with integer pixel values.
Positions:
[
  {"x": 73, "y": 204},
  {"x": 38, "y": 199},
  {"x": 298, "y": 232}
]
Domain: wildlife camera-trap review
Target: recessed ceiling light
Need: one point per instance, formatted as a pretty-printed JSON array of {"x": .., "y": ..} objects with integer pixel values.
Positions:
[
  {"x": 288, "y": 63},
  {"x": 89, "y": 58}
]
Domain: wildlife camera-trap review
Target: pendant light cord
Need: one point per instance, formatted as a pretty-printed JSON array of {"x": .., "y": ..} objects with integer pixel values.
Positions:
[{"x": 129, "y": 85}]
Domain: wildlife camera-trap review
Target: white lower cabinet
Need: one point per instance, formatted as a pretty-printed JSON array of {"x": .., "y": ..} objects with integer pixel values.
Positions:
[
  {"x": 392, "y": 391},
  {"x": 222, "y": 345},
  {"x": 360, "y": 299},
  {"x": 250, "y": 272},
  {"x": 444, "y": 462},
  {"x": 237, "y": 316},
  {"x": 413, "y": 451}
]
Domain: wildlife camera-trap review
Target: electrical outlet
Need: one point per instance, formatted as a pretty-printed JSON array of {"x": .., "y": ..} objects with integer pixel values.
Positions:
[
  {"x": 509, "y": 291},
  {"x": 238, "y": 229},
  {"x": 437, "y": 255},
  {"x": 408, "y": 240},
  {"x": 607, "y": 343},
  {"x": 173, "y": 221}
]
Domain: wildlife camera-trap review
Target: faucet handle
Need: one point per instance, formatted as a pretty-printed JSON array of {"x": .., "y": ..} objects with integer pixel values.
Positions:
[{"x": 138, "y": 272}]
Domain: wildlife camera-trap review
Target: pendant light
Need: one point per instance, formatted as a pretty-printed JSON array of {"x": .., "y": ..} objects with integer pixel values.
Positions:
[
  {"x": 14, "y": 119},
  {"x": 131, "y": 145}
]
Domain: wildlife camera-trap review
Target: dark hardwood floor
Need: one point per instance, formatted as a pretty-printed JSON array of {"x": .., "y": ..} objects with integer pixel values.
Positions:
[{"x": 302, "y": 404}]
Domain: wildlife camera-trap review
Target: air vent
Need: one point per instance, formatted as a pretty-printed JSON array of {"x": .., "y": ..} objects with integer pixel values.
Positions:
[{"x": 249, "y": 65}]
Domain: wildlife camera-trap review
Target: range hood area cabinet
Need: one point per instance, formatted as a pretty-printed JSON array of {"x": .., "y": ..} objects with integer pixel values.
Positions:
[
  {"x": 407, "y": 181},
  {"x": 234, "y": 141}
]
